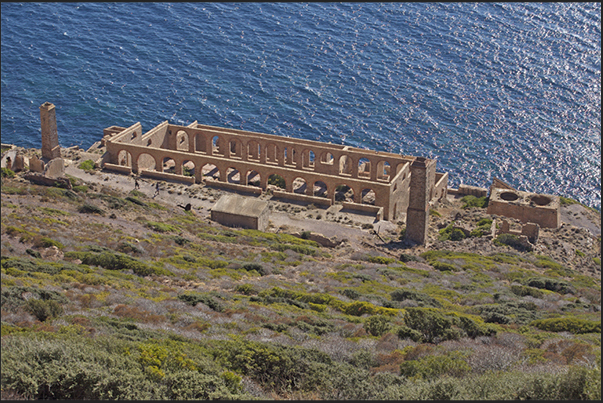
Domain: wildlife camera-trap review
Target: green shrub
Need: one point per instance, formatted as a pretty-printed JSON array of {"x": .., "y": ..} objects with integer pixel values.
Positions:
[
  {"x": 8, "y": 173},
  {"x": 457, "y": 235},
  {"x": 351, "y": 293},
  {"x": 508, "y": 312},
  {"x": 434, "y": 213},
  {"x": 359, "y": 308},
  {"x": 116, "y": 261},
  {"x": 255, "y": 266},
  {"x": 572, "y": 325},
  {"x": 14, "y": 297},
  {"x": 405, "y": 332},
  {"x": 180, "y": 240},
  {"x": 44, "y": 309},
  {"x": 436, "y": 366},
  {"x": 522, "y": 291},
  {"x": 513, "y": 241},
  {"x": 405, "y": 257},
  {"x": 160, "y": 227},
  {"x": 421, "y": 298},
  {"x": 135, "y": 200},
  {"x": 280, "y": 368},
  {"x": 303, "y": 249},
  {"x": 382, "y": 259},
  {"x": 556, "y": 285},
  {"x": 48, "y": 242},
  {"x": 276, "y": 180},
  {"x": 431, "y": 324},
  {"x": 246, "y": 289},
  {"x": 80, "y": 188},
  {"x": 441, "y": 266},
  {"x": 91, "y": 209},
  {"x": 194, "y": 298},
  {"x": 87, "y": 165},
  {"x": 377, "y": 325},
  {"x": 108, "y": 368},
  {"x": 472, "y": 201}
]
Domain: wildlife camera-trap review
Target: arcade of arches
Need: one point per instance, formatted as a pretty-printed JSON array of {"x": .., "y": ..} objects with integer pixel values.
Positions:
[{"x": 397, "y": 183}]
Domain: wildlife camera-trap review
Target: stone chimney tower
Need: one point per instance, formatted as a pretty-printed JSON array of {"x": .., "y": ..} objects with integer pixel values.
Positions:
[
  {"x": 50, "y": 137},
  {"x": 422, "y": 181}
]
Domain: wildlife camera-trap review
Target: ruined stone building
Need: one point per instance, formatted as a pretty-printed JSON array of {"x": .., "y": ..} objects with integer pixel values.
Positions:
[{"x": 403, "y": 187}]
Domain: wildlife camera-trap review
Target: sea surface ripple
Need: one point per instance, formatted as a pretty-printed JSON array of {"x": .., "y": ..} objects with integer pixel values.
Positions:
[{"x": 507, "y": 90}]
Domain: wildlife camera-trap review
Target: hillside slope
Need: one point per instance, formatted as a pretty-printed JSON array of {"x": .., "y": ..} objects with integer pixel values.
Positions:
[{"x": 108, "y": 293}]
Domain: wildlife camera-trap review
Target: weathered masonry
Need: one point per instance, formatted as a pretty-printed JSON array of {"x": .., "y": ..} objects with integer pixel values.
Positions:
[{"x": 403, "y": 186}]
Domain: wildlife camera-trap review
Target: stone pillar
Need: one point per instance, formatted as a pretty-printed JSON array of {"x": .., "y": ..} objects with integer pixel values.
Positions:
[
  {"x": 50, "y": 137},
  {"x": 422, "y": 181}
]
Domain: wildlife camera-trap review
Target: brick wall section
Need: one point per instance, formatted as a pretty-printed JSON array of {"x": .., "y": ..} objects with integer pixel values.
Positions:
[{"x": 421, "y": 186}]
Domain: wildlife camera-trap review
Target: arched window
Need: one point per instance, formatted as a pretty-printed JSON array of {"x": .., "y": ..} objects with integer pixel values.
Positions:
[
  {"x": 233, "y": 175},
  {"x": 210, "y": 171},
  {"x": 300, "y": 185},
  {"x": 344, "y": 193},
  {"x": 146, "y": 161},
  {"x": 169, "y": 165},
  {"x": 182, "y": 141},
  {"x": 188, "y": 168},
  {"x": 364, "y": 168},
  {"x": 277, "y": 180},
  {"x": 368, "y": 196},
  {"x": 345, "y": 165},
  {"x": 320, "y": 189},
  {"x": 254, "y": 178}
]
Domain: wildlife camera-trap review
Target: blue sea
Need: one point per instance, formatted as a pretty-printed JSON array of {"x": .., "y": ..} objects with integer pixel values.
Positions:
[{"x": 507, "y": 90}]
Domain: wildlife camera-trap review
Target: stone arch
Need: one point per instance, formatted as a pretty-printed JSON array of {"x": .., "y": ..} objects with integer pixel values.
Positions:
[
  {"x": 277, "y": 180},
  {"x": 344, "y": 192},
  {"x": 147, "y": 161},
  {"x": 367, "y": 196},
  {"x": 289, "y": 155},
  {"x": 233, "y": 175},
  {"x": 217, "y": 145},
  {"x": 168, "y": 165},
  {"x": 320, "y": 189},
  {"x": 210, "y": 172},
  {"x": 383, "y": 170},
  {"x": 345, "y": 165},
  {"x": 253, "y": 150},
  {"x": 188, "y": 168},
  {"x": 300, "y": 185},
  {"x": 364, "y": 167},
  {"x": 236, "y": 148},
  {"x": 326, "y": 158},
  {"x": 308, "y": 158},
  {"x": 254, "y": 178},
  {"x": 182, "y": 142},
  {"x": 124, "y": 158}
]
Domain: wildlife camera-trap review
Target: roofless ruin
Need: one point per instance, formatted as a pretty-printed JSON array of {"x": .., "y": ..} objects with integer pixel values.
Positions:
[{"x": 403, "y": 186}]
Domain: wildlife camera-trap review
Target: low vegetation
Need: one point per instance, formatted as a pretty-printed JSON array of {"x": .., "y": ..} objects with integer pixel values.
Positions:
[{"x": 157, "y": 303}]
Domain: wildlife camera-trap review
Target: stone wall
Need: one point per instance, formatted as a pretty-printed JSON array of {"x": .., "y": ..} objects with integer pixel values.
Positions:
[
  {"x": 238, "y": 156},
  {"x": 540, "y": 209}
]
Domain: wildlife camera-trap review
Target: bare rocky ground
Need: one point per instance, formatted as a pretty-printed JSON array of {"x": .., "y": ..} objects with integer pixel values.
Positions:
[{"x": 574, "y": 244}]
